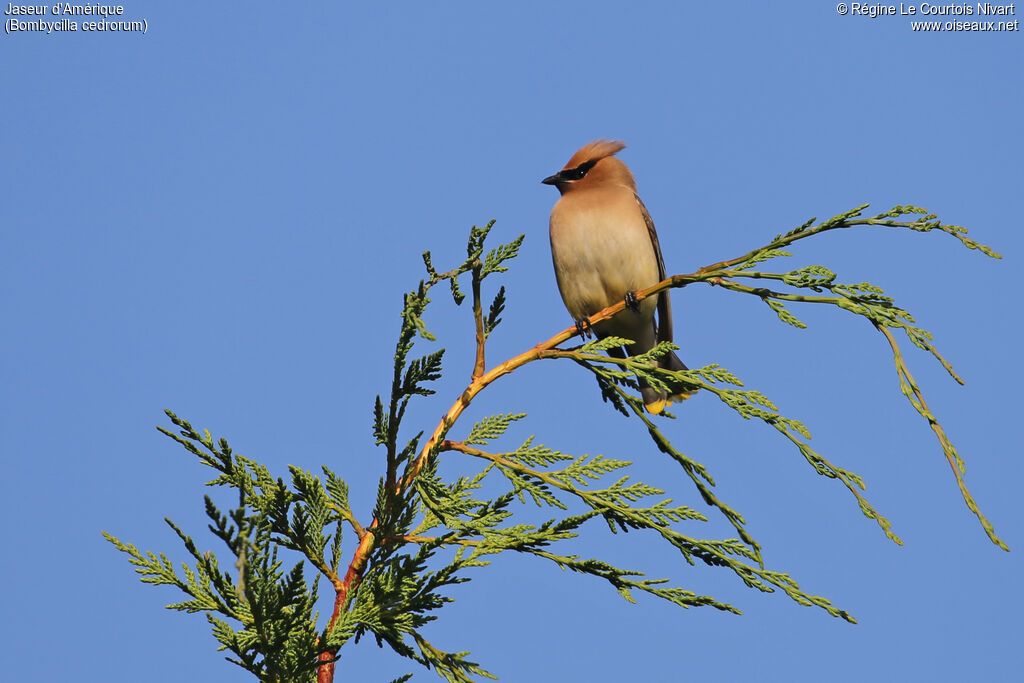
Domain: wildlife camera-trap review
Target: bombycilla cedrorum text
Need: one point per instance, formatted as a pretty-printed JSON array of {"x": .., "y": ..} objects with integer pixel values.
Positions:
[{"x": 605, "y": 248}]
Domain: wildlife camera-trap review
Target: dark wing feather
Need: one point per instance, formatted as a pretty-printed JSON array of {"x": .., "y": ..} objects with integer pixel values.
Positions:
[{"x": 664, "y": 303}]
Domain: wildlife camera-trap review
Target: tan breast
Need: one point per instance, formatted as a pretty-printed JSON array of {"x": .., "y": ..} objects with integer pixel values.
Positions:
[{"x": 601, "y": 249}]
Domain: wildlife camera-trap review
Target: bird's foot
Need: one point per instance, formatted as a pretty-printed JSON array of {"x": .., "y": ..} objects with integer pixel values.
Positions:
[
  {"x": 583, "y": 328},
  {"x": 631, "y": 302}
]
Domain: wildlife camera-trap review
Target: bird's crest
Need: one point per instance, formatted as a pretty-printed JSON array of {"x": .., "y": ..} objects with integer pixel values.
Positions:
[{"x": 595, "y": 151}]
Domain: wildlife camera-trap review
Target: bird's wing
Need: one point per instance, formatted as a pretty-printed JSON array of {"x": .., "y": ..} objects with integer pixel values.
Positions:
[{"x": 664, "y": 303}]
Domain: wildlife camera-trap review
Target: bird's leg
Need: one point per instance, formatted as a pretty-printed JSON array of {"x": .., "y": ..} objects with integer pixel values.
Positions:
[
  {"x": 631, "y": 301},
  {"x": 583, "y": 328}
]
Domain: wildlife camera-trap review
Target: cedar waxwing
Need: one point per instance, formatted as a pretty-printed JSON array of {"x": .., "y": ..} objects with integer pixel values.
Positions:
[{"x": 605, "y": 248}]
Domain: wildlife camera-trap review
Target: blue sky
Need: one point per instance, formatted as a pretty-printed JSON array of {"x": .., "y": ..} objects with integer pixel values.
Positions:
[{"x": 220, "y": 217}]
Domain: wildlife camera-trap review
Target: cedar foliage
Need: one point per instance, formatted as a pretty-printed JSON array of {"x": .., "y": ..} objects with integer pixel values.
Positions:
[{"x": 289, "y": 533}]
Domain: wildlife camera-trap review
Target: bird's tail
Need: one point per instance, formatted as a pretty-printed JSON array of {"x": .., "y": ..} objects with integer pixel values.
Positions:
[{"x": 655, "y": 401}]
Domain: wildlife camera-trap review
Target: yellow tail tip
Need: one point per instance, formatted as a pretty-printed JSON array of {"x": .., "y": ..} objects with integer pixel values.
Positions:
[{"x": 655, "y": 407}]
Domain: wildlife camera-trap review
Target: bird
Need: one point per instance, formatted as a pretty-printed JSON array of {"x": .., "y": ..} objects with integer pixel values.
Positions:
[{"x": 604, "y": 248}]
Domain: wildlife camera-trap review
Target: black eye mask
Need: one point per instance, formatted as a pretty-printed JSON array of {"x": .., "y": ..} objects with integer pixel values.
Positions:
[{"x": 578, "y": 172}]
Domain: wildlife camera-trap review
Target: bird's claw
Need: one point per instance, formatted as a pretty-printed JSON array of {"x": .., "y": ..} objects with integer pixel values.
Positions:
[
  {"x": 631, "y": 302},
  {"x": 583, "y": 328}
]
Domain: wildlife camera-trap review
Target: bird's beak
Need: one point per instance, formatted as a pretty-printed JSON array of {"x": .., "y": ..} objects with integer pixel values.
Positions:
[{"x": 551, "y": 180}]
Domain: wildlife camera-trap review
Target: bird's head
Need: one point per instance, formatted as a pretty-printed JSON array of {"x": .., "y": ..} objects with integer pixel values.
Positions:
[{"x": 593, "y": 165}]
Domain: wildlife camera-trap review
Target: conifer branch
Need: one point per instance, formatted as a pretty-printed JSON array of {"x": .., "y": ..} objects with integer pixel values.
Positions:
[
  {"x": 478, "y": 317},
  {"x": 861, "y": 299},
  {"x": 614, "y": 505},
  {"x": 913, "y": 393},
  {"x": 426, "y": 533}
]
